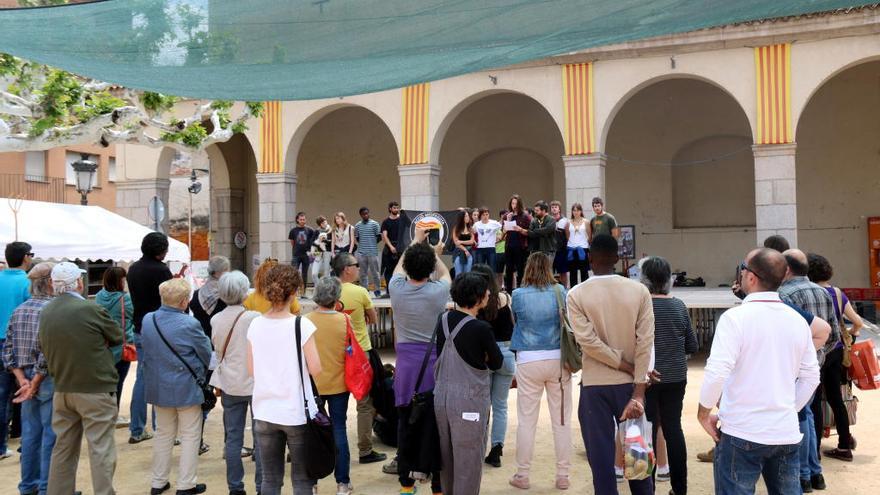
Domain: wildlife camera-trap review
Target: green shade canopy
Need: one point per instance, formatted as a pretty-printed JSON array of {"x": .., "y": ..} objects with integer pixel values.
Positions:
[{"x": 307, "y": 49}]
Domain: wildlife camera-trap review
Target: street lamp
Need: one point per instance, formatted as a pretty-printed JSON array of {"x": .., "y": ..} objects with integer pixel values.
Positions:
[
  {"x": 195, "y": 187},
  {"x": 85, "y": 177}
]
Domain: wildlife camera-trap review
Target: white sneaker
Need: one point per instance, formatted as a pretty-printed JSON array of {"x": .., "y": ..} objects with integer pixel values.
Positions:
[
  {"x": 122, "y": 422},
  {"x": 6, "y": 454},
  {"x": 344, "y": 488}
]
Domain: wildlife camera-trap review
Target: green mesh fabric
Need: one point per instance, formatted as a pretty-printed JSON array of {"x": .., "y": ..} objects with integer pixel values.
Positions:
[{"x": 306, "y": 49}]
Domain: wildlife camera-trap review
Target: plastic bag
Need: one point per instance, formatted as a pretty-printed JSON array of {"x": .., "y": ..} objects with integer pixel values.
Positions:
[{"x": 638, "y": 450}]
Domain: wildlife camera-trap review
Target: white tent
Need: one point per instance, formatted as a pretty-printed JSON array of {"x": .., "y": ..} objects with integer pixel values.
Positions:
[{"x": 88, "y": 233}]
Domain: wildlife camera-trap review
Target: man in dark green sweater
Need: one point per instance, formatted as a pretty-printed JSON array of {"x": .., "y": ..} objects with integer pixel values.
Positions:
[{"x": 75, "y": 336}]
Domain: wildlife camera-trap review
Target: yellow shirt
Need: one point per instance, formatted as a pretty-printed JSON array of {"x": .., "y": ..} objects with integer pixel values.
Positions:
[
  {"x": 256, "y": 302},
  {"x": 355, "y": 301},
  {"x": 330, "y": 341}
]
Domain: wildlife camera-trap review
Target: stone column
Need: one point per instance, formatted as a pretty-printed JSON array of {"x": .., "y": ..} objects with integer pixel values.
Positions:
[
  {"x": 419, "y": 186},
  {"x": 227, "y": 218},
  {"x": 133, "y": 199},
  {"x": 775, "y": 191},
  {"x": 277, "y": 199},
  {"x": 584, "y": 179}
]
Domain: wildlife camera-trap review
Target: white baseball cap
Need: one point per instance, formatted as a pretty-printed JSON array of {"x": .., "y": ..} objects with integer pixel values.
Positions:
[{"x": 66, "y": 272}]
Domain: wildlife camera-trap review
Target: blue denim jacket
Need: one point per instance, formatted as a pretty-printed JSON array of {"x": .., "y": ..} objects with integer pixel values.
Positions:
[
  {"x": 537, "y": 318},
  {"x": 167, "y": 381}
]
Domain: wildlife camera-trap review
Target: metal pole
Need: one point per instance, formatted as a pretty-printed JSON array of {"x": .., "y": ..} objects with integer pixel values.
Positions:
[
  {"x": 83, "y": 200},
  {"x": 190, "y": 229}
]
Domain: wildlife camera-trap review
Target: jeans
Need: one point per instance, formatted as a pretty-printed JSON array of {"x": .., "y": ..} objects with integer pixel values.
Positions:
[
  {"x": 37, "y": 438},
  {"x": 338, "y": 406},
  {"x": 739, "y": 463},
  {"x": 235, "y": 408},
  {"x": 369, "y": 271},
  {"x": 122, "y": 368},
  {"x": 599, "y": 409},
  {"x": 7, "y": 387},
  {"x": 501, "y": 380},
  {"x": 485, "y": 256},
  {"x": 462, "y": 262},
  {"x": 272, "y": 440},
  {"x": 664, "y": 404},
  {"x": 302, "y": 262},
  {"x": 808, "y": 454},
  {"x": 138, "y": 406}
]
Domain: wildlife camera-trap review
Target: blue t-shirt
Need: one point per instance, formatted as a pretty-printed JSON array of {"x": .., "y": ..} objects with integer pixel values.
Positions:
[{"x": 14, "y": 289}]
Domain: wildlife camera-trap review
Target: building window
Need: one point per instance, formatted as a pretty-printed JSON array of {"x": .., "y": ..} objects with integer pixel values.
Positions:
[
  {"x": 70, "y": 175},
  {"x": 35, "y": 165},
  {"x": 111, "y": 169}
]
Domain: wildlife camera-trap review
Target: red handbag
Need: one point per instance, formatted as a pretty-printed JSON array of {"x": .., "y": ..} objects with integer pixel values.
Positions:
[
  {"x": 129, "y": 352},
  {"x": 865, "y": 370},
  {"x": 358, "y": 372}
]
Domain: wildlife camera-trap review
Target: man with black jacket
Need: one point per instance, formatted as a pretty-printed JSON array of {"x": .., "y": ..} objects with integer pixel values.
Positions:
[{"x": 144, "y": 277}]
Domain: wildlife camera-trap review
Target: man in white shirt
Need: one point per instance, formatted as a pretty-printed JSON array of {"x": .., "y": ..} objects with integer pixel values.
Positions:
[{"x": 763, "y": 361}]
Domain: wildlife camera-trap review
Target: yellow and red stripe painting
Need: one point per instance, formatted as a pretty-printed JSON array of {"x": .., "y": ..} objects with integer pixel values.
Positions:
[
  {"x": 577, "y": 90},
  {"x": 773, "y": 78},
  {"x": 414, "y": 148},
  {"x": 270, "y": 138}
]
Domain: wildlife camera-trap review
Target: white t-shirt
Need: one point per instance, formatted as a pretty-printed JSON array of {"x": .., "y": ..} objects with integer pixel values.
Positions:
[
  {"x": 486, "y": 233},
  {"x": 577, "y": 235},
  {"x": 278, "y": 394}
]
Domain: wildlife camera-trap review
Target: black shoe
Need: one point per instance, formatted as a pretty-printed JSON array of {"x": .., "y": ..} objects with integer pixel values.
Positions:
[
  {"x": 237, "y": 492},
  {"x": 204, "y": 448},
  {"x": 494, "y": 457},
  {"x": 200, "y": 488},
  {"x": 158, "y": 491},
  {"x": 373, "y": 456},
  {"x": 817, "y": 482},
  {"x": 806, "y": 487}
]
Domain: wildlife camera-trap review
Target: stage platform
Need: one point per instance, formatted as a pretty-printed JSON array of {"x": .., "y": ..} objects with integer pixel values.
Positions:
[{"x": 705, "y": 305}]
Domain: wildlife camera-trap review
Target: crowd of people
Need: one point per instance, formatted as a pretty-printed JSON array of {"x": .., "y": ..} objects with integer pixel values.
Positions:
[{"x": 524, "y": 286}]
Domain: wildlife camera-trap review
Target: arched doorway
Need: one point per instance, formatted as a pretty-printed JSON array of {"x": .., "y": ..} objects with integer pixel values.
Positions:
[
  {"x": 501, "y": 144},
  {"x": 348, "y": 159},
  {"x": 225, "y": 204},
  {"x": 680, "y": 168},
  {"x": 838, "y": 171}
]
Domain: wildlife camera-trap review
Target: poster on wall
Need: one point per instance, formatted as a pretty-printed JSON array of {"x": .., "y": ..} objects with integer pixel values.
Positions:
[{"x": 627, "y": 242}]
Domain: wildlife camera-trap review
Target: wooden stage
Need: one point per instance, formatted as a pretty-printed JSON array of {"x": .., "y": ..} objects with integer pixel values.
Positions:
[{"x": 704, "y": 304}]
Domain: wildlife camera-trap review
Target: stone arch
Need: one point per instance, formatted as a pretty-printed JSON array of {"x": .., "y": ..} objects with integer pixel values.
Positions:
[
  {"x": 439, "y": 135},
  {"x": 501, "y": 125},
  {"x": 838, "y": 171},
  {"x": 668, "y": 147},
  {"x": 642, "y": 84},
  {"x": 346, "y": 160}
]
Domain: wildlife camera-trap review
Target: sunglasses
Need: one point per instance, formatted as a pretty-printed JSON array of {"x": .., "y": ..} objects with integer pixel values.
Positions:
[
  {"x": 744, "y": 266},
  {"x": 355, "y": 264}
]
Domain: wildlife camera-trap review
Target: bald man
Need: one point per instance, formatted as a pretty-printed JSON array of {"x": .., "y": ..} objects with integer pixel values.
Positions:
[{"x": 763, "y": 359}]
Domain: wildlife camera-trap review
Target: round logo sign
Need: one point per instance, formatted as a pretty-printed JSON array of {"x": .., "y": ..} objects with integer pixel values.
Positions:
[
  {"x": 434, "y": 223},
  {"x": 240, "y": 240}
]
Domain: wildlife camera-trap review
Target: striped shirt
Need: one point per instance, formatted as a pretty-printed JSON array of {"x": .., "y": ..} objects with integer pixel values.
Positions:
[
  {"x": 674, "y": 338},
  {"x": 22, "y": 348},
  {"x": 367, "y": 235}
]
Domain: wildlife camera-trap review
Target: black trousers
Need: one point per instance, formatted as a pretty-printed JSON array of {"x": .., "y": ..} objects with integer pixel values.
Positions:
[
  {"x": 514, "y": 261},
  {"x": 578, "y": 269},
  {"x": 403, "y": 466},
  {"x": 389, "y": 262},
  {"x": 832, "y": 376},
  {"x": 664, "y": 405},
  {"x": 302, "y": 262}
]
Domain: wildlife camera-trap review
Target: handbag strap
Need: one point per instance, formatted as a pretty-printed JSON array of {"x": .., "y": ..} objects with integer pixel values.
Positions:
[
  {"x": 229, "y": 336},
  {"x": 199, "y": 381},
  {"x": 425, "y": 361},
  {"x": 302, "y": 378},
  {"x": 122, "y": 305}
]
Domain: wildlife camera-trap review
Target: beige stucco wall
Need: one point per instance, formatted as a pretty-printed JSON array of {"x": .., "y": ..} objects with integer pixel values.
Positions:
[
  {"x": 675, "y": 121},
  {"x": 347, "y": 160},
  {"x": 838, "y": 171},
  {"x": 499, "y": 122}
]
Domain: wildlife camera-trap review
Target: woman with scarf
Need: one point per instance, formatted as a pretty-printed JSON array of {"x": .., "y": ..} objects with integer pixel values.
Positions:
[{"x": 206, "y": 299}]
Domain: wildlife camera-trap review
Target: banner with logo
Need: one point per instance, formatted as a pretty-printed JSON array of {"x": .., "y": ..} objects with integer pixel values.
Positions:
[{"x": 438, "y": 223}]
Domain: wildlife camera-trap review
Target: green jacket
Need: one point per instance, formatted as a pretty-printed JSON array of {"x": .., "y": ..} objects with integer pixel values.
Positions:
[
  {"x": 542, "y": 235},
  {"x": 76, "y": 336}
]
